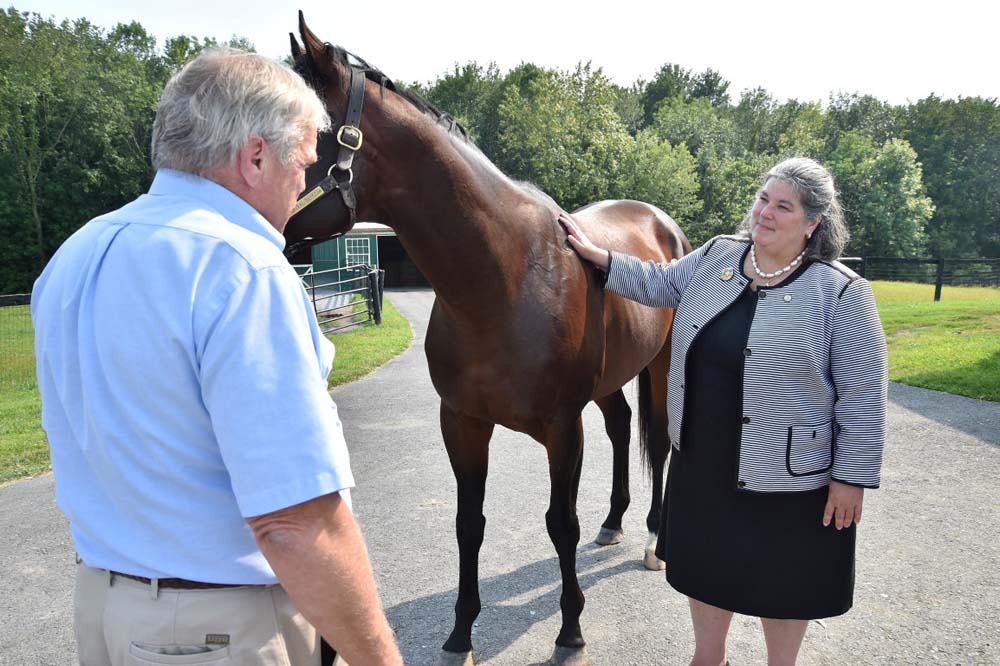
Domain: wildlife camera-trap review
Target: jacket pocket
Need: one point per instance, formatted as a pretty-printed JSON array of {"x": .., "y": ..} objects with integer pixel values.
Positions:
[
  {"x": 810, "y": 449},
  {"x": 189, "y": 655}
]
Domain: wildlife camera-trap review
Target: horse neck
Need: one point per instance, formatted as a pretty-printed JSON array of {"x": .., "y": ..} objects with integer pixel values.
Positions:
[{"x": 469, "y": 229}]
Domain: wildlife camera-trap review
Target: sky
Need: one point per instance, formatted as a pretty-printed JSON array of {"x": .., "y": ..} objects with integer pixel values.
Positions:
[{"x": 897, "y": 51}]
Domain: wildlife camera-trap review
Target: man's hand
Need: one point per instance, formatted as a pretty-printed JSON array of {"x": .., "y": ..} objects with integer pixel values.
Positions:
[
  {"x": 318, "y": 554},
  {"x": 843, "y": 505}
]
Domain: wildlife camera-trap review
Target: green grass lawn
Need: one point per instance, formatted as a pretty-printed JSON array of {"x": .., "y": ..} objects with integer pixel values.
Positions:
[
  {"x": 363, "y": 349},
  {"x": 951, "y": 345},
  {"x": 23, "y": 449}
]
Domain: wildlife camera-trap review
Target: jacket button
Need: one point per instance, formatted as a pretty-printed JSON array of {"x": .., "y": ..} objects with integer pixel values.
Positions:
[
  {"x": 741, "y": 484},
  {"x": 746, "y": 419},
  {"x": 747, "y": 351},
  {"x": 763, "y": 294},
  {"x": 682, "y": 385}
]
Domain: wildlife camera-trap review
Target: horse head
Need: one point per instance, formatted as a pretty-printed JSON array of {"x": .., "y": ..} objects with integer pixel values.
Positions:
[{"x": 337, "y": 185}]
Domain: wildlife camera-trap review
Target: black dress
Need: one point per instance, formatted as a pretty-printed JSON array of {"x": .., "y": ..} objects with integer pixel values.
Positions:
[{"x": 762, "y": 554}]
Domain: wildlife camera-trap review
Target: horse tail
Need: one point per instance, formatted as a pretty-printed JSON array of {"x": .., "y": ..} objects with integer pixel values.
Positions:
[
  {"x": 645, "y": 399},
  {"x": 653, "y": 438}
]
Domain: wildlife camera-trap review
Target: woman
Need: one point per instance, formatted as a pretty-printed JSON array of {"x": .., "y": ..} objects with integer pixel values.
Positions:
[{"x": 776, "y": 403}]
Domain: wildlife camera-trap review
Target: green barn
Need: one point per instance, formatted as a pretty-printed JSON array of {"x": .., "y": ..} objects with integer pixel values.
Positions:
[{"x": 367, "y": 243}]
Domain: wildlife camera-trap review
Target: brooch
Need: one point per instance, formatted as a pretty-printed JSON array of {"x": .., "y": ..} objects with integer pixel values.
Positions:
[{"x": 727, "y": 274}]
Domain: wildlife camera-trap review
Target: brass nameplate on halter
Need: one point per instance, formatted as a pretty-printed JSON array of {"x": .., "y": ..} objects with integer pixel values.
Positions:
[{"x": 308, "y": 198}]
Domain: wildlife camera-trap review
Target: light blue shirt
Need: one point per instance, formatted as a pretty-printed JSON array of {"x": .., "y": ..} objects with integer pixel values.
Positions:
[{"x": 183, "y": 382}]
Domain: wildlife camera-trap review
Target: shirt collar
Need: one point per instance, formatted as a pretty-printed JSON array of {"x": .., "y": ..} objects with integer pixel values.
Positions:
[{"x": 170, "y": 182}]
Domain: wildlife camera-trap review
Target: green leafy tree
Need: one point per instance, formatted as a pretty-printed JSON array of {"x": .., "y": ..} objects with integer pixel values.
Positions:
[
  {"x": 180, "y": 50},
  {"x": 729, "y": 184},
  {"x": 663, "y": 175},
  {"x": 465, "y": 93},
  {"x": 958, "y": 144},
  {"x": 711, "y": 86},
  {"x": 864, "y": 114},
  {"x": 517, "y": 82},
  {"x": 695, "y": 123},
  {"x": 803, "y": 133},
  {"x": 628, "y": 104},
  {"x": 850, "y": 163},
  {"x": 75, "y": 111},
  {"x": 883, "y": 193},
  {"x": 896, "y": 206},
  {"x": 754, "y": 119},
  {"x": 561, "y": 132},
  {"x": 670, "y": 81}
]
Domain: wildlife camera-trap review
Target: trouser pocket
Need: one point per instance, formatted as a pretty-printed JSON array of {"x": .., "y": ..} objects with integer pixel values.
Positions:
[{"x": 140, "y": 654}]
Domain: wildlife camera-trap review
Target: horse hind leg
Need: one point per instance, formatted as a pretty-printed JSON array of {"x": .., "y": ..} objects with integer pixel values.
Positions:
[
  {"x": 467, "y": 441},
  {"x": 618, "y": 424},
  {"x": 655, "y": 443}
]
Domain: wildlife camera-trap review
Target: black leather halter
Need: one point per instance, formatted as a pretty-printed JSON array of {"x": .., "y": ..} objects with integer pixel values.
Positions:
[{"x": 340, "y": 175}]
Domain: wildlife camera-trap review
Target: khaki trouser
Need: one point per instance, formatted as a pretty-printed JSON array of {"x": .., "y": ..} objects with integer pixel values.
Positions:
[{"x": 123, "y": 622}]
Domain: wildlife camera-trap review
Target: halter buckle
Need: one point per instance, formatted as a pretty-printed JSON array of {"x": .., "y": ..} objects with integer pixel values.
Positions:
[{"x": 350, "y": 137}]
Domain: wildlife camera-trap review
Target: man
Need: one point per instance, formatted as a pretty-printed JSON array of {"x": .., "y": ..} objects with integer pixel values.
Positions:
[{"x": 196, "y": 452}]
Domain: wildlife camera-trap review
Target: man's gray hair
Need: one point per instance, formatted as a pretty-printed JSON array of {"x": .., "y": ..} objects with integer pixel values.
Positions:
[
  {"x": 818, "y": 195},
  {"x": 215, "y": 103}
]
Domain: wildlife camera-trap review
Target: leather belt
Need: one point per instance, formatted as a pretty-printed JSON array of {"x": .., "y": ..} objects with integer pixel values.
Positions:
[{"x": 179, "y": 583}]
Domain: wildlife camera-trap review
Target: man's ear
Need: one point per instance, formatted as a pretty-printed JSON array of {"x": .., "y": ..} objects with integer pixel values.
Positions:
[{"x": 251, "y": 161}]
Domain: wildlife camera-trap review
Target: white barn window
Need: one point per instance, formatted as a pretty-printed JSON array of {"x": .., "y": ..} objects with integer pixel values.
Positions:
[{"x": 357, "y": 251}]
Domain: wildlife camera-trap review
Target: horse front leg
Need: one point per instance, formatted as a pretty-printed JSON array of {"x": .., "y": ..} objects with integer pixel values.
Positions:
[
  {"x": 467, "y": 441},
  {"x": 564, "y": 445}
]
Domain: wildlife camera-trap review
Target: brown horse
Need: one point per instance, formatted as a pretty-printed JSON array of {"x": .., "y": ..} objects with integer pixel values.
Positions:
[{"x": 521, "y": 333}]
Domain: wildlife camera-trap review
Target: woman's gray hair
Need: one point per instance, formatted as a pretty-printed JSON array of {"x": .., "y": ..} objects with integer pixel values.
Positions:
[
  {"x": 215, "y": 103},
  {"x": 818, "y": 195}
]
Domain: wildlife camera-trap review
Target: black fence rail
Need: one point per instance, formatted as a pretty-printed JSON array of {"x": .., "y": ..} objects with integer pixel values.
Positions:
[
  {"x": 17, "y": 344},
  {"x": 939, "y": 272},
  {"x": 344, "y": 297}
]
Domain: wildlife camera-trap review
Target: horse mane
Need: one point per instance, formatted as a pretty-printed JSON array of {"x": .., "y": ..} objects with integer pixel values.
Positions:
[
  {"x": 441, "y": 118},
  {"x": 343, "y": 56}
]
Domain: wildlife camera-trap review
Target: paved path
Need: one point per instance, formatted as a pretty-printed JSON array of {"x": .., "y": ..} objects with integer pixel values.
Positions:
[{"x": 928, "y": 588}]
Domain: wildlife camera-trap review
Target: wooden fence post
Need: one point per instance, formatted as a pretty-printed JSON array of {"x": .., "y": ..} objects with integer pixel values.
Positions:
[
  {"x": 375, "y": 295},
  {"x": 940, "y": 279}
]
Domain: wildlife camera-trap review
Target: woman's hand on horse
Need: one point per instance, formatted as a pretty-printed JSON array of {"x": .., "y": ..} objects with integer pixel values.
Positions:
[{"x": 583, "y": 245}]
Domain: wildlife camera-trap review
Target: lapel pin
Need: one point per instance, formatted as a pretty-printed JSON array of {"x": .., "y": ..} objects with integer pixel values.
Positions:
[{"x": 727, "y": 274}]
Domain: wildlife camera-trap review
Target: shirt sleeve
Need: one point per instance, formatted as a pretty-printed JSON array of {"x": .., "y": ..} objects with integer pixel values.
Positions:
[
  {"x": 859, "y": 366},
  {"x": 263, "y": 378},
  {"x": 655, "y": 283}
]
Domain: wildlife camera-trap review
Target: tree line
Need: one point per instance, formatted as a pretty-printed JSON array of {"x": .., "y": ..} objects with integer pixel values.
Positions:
[{"x": 77, "y": 104}]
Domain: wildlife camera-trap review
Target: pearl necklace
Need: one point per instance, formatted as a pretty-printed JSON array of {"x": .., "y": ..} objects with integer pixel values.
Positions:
[{"x": 768, "y": 276}]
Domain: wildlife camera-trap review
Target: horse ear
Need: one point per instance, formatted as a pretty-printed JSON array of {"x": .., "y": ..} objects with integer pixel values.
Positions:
[
  {"x": 314, "y": 47},
  {"x": 296, "y": 49}
]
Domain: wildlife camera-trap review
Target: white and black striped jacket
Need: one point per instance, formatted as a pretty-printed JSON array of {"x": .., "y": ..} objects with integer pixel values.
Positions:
[{"x": 815, "y": 368}]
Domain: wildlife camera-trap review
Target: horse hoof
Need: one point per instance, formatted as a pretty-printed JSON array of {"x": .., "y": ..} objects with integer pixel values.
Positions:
[
  {"x": 649, "y": 558},
  {"x": 566, "y": 656},
  {"x": 608, "y": 537},
  {"x": 455, "y": 658}
]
